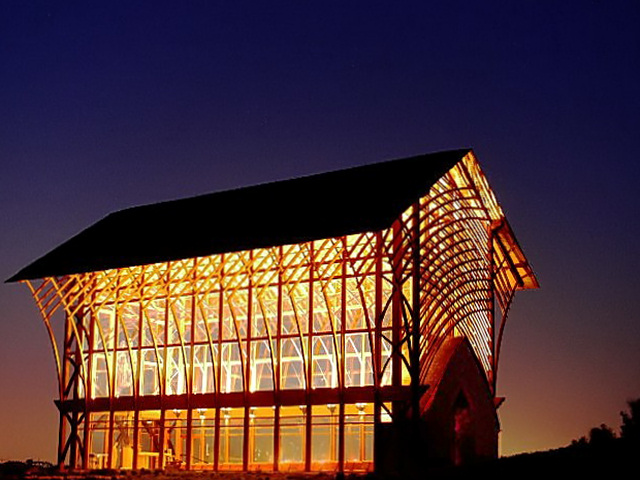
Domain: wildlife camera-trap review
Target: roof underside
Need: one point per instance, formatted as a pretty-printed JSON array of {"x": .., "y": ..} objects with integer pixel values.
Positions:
[{"x": 360, "y": 199}]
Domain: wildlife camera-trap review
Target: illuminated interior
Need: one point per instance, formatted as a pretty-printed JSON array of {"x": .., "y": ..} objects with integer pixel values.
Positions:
[{"x": 282, "y": 358}]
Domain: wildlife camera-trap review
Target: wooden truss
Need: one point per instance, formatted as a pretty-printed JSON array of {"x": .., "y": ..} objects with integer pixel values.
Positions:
[{"x": 352, "y": 320}]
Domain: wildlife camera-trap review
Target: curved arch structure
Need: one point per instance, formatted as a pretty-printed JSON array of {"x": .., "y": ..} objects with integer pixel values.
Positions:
[{"x": 282, "y": 357}]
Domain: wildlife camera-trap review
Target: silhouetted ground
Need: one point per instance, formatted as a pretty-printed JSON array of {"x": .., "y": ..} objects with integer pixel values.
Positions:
[{"x": 614, "y": 459}]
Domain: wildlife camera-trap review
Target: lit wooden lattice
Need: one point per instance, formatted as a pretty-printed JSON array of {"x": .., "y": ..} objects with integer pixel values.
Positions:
[{"x": 282, "y": 357}]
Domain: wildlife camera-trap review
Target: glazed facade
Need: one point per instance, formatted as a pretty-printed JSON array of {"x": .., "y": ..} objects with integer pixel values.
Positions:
[{"x": 284, "y": 358}]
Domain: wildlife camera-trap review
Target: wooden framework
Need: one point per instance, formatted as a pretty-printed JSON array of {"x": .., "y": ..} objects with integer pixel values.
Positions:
[{"x": 280, "y": 358}]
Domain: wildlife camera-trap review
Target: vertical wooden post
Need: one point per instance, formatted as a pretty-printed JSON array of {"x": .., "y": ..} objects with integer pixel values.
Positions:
[
  {"x": 309, "y": 383},
  {"x": 415, "y": 317},
  {"x": 396, "y": 309},
  {"x": 247, "y": 374},
  {"x": 377, "y": 353},
  {"x": 278, "y": 375},
  {"x": 216, "y": 440}
]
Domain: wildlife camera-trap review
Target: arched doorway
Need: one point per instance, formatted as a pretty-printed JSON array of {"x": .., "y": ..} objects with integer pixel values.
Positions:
[{"x": 463, "y": 435}]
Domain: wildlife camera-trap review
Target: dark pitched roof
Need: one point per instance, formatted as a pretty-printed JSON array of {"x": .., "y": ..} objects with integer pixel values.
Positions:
[{"x": 359, "y": 199}]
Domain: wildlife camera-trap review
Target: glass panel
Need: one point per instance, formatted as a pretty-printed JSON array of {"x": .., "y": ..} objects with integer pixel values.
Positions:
[
  {"x": 292, "y": 437},
  {"x": 207, "y": 317},
  {"x": 292, "y": 371},
  {"x": 231, "y": 368},
  {"x": 325, "y": 362},
  {"x": 149, "y": 381},
  {"x": 176, "y": 376},
  {"x": 149, "y": 444},
  {"x": 324, "y": 437},
  {"x": 100, "y": 378},
  {"x": 235, "y": 315},
  {"x": 386, "y": 300},
  {"x": 358, "y": 435},
  {"x": 153, "y": 324},
  {"x": 202, "y": 438},
  {"x": 268, "y": 308},
  {"x": 406, "y": 376},
  {"x": 231, "y": 438},
  {"x": 128, "y": 327},
  {"x": 180, "y": 320},
  {"x": 203, "y": 372},
  {"x": 122, "y": 440},
  {"x": 358, "y": 368},
  {"x": 289, "y": 324},
  {"x": 386, "y": 359},
  {"x": 175, "y": 438},
  {"x": 407, "y": 293},
  {"x": 327, "y": 306},
  {"x": 86, "y": 326},
  {"x": 261, "y": 438},
  {"x": 298, "y": 301},
  {"x": 104, "y": 328},
  {"x": 124, "y": 373},
  {"x": 261, "y": 366},
  {"x": 99, "y": 435},
  {"x": 228, "y": 323},
  {"x": 258, "y": 328},
  {"x": 355, "y": 312}
]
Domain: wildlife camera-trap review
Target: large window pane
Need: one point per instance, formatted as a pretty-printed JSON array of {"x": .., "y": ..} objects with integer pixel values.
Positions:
[
  {"x": 262, "y": 439},
  {"x": 292, "y": 367},
  {"x": 261, "y": 366},
  {"x": 292, "y": 437},
  {"x": 179, "y": 324},
  {"x": 203, "y": 371},
  {"x": 207, "y": 318},
  {"x": 358, "y": 368},
  {"x": 149, "y": 447},
  {"x": 175, "y": 438},
  {"x": 176, "y": 375},
  {"x": 124, "y": 373},
  {"x": 104, "y": 328},
  {"x": 149, "y": 379},
  {"x": 358, "y": 434},
  {"x": 128, "y": 334},
  {"x": 153, "y": 323},
  {"x": 325, "y": 362},
  {"x": 122, "y": 440},
  {"x": 100, "y": 378},
  {"x": 99, "y": 437},
  {"x": 202, "y": 438},
  {"x": 231, "y": 373},
  {"x": 324, "y": 437},
  {"x": 231, "y": 438}
]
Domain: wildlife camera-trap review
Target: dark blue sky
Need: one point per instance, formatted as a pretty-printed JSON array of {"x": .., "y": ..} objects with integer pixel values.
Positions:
[{"x": 111, "y": 104}]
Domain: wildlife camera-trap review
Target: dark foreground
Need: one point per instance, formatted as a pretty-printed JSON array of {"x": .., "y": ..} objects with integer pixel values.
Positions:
[{"x": 617, "y": 459}]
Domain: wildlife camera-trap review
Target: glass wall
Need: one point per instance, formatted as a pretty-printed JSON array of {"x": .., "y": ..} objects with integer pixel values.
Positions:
[
  {"x": 320, "y": 317},
  {"x": 313, "y": 316},
  {"x": 297, "y": 327},
  {"x": 291, "y": 318},
  {"x": 166, "y": 440}
]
